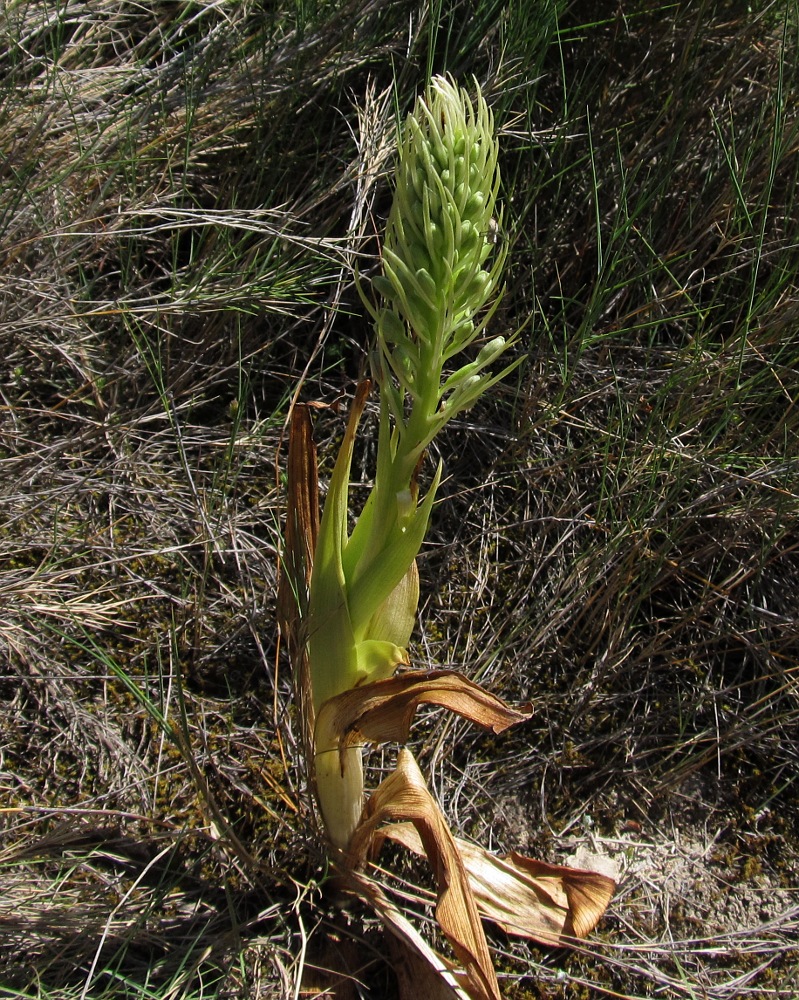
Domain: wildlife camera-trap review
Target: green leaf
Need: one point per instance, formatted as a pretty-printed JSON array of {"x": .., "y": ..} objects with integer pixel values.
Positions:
[
  {"x": 374, "y": 582},
  {"x": 331, "y": 641}
]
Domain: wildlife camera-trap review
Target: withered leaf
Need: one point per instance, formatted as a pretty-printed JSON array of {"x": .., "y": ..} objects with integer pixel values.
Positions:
[
  {"x": 405, "y": 796},
  {"x": 382, "y": 712},
  {"x": 302, "y": 530},
  {"x": 551, "y": 904},
  {"x": 430, "y": 975}
]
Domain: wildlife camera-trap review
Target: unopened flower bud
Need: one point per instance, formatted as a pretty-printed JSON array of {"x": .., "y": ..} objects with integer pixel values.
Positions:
[{"x": 490, "y": 351}]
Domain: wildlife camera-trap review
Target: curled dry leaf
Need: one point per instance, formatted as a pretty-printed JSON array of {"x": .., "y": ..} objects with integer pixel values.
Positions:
[
  {"x": 551, "y": 904},
  {"x": 421, "y": 972},
  {"x": 405, "y": 796},
  {"x": 302, "y": 530},
  {"x": 382, "y": 712}
]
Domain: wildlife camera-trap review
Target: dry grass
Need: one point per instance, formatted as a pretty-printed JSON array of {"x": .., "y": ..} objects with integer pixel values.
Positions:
[{"x": 184, "y": 190}]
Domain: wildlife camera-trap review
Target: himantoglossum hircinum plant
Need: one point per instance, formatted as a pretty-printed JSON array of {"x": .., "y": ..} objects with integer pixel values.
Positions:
[
  {"x": 349, "y": 599},
  {"x": 437, "y": 279}
]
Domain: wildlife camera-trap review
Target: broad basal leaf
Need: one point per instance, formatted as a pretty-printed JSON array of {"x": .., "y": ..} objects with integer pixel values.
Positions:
[
  {"x": 551, "y": 904},
  {"x": 382, "y": 712},
  {"x": 330, "y": 632},
  {"x": 404, "y": 796},
  {"x": 430, "y": 976}
]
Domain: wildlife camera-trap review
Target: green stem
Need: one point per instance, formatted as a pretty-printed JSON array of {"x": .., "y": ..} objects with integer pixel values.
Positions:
[{"x": 340, "y": 789}]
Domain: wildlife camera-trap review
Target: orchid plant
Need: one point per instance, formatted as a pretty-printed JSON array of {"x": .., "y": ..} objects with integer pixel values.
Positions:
[{"x": 349, "y": 598}]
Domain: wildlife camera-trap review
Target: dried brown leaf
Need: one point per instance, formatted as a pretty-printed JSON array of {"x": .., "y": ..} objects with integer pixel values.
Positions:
[
  {"x": 302, "y": 529},
  {"x": 382, "y": 712},
  {"x": 551, "y": 904},
  {"x": 421, "y": 971},
  {"x": 405, "y": 796}
]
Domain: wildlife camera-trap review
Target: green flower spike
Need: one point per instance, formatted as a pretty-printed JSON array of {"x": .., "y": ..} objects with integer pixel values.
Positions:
[
  {"x": 349, "y": 618},
  {"x": 441, "y": 275}
]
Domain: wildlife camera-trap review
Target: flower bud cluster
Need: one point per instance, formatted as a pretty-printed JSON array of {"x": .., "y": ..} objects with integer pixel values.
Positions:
[{"x": 441, "y": 266}]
